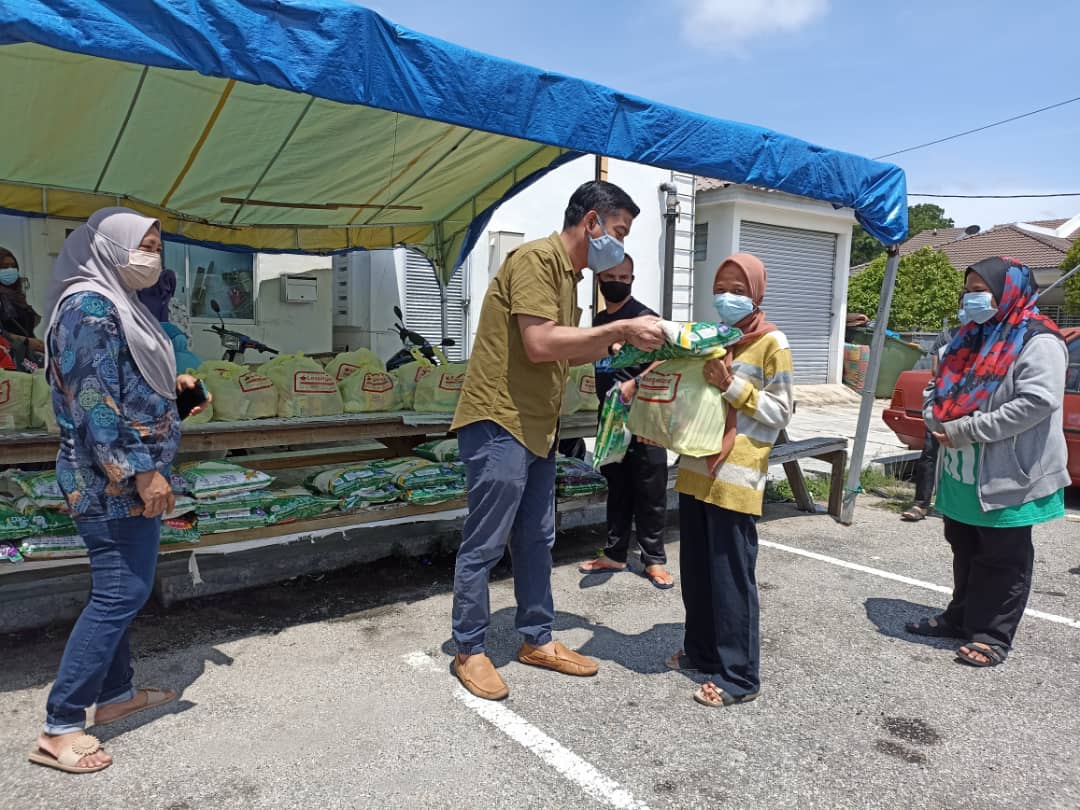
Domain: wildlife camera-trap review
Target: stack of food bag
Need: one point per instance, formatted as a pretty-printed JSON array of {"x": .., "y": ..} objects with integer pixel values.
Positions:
[
  {"x": 238, "y": 393},
  {"x": 425, "y": 482},
  {"x": 440, "y": 390},
  {"x": 16, "y": 397},
  {"x": 346, "y": 364},
  {"x": 407, "y": 378},
  {"x": 35, "y": 516},
  {"x": 355, "y": 486},
  {"x": 573, "y": 477},
  {"x": 370, "y": 391},
  {"x": 698, "y": 339},
  {"x": 303, "y": 386},
  {"x": 441, "y": 450},
  {"x": 227, "y": 495}
]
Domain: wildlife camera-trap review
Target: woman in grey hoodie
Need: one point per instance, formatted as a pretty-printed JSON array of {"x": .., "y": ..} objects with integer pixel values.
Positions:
[{"x": 996, "y": 409}]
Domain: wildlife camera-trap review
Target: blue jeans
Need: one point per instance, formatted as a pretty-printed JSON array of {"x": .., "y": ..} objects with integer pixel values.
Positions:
[
  {"x": 511, "y": 494},
  {"x": 96, "y": 667}
]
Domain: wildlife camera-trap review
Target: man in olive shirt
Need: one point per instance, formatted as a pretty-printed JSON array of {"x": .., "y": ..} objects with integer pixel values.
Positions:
[{"x": 507, "y": 425}]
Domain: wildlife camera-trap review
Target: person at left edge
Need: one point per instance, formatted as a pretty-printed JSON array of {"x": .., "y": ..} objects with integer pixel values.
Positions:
[
  {"x": 17, "y": 318},
  {"x": 114, "y": 389},
  {"x": 507, "y": 425}
]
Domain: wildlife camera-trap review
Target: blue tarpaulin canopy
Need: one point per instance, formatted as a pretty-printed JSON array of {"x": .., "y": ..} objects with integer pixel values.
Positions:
[{"x": 319, "y": 126}]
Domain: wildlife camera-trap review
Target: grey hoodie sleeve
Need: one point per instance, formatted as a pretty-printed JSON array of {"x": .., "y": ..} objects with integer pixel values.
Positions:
[{"x": 1038, "y": 381}]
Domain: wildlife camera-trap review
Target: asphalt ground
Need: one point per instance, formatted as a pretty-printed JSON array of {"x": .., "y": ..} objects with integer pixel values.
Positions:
[{"x": 335, "y": 693}]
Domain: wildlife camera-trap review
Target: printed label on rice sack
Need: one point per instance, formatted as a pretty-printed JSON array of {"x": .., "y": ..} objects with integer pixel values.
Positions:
[
  {"x": 313, "y": 382},
  {"x": 587, "y": 385},
  {"x": 658, "y": 387},
  {"x": 346, "y": 370},
  {"x": 5, "y": 392},
  {"x": 251, "y": 381},
  {"x": 375, "y": 382},
  {"x": 422, "y": 372},
  {"x": 452, "y": 382}
]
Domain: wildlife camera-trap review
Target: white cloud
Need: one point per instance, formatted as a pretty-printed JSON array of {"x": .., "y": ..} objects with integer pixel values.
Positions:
[{"x": 729, "y": 23}]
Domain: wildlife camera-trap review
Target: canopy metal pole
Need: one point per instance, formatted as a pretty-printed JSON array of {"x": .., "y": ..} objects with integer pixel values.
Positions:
[
  {"x": 671, "y": 215},
  {"x": 866, "y": 410}
]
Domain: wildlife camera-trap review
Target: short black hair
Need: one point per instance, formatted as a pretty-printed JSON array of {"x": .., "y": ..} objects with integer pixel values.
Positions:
[
  {"x": 600, "y": 196},
  {"x": 626, "y": 258}
]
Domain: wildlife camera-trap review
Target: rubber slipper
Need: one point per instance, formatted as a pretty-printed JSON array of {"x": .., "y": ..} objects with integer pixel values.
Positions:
[
  {"x": 583, "y": 570},
  {"x": 69, "y": 757},
  {"x": 658, "y": 582},
  {"x": 940, "y": 630},
  {"x": 154, "y": 698}
]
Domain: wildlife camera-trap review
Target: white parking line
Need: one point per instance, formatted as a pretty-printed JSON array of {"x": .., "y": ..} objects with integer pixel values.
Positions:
[
  {"x": 918, "y": 583},
  {"x": 551, "y": 751}
]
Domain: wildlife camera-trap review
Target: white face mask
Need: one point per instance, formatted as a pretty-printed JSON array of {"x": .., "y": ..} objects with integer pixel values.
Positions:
[{"x": 143, "y": 269}]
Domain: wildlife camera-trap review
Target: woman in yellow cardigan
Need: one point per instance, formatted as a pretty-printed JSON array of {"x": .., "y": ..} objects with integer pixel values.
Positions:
[{"x": 721, "y": 497}]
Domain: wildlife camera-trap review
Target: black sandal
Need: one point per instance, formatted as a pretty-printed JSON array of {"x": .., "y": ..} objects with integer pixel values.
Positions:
[
  {"x": 940, "y": 628},
  {"x": 993, "y": 654}
]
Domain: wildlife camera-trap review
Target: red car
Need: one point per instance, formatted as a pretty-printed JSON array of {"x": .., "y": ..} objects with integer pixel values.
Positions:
[{"x": 904, "y": 414}]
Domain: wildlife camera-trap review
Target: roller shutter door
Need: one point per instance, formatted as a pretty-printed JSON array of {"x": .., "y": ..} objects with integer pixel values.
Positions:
[
  {"x": 799, "y": 298},
  {"x": 423, "y": 308}
]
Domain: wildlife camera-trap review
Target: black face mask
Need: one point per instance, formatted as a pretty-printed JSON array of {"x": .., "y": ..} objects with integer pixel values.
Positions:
[{"x": 615, "y": 291}]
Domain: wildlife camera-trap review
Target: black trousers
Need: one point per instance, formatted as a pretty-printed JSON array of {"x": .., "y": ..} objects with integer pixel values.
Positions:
[
  {"x": 991, "y": 580},
  {"x": 637, "y": 497},
  {"x": 717, "y": 558},
  {"x": 925, "y": 470}
]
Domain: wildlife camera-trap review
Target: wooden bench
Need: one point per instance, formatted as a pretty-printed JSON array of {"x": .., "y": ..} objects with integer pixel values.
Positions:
[{"x": 830, "y": 449}]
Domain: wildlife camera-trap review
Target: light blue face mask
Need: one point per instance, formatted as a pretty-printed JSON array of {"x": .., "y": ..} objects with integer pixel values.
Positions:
[
  {"x": 964, "y": 319},
  {"x": 605, "y": 251},
  {"x": 732, "y": 308},
  {"x": 979, "y": 306},
  {"x": 9, "y": 275}
]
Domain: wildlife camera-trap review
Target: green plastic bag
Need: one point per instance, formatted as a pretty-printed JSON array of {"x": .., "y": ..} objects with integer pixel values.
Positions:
[
  {"x": 348, "y": 363},
  {"x": 408, "y": 376},
  {"x": 14, "y": 525},
  {"x": 417, "y": 473},
  {"x": 439, "y": 391},
  {"x": 370, "y": 392},
  {"x": 613, "y": 439},
  {"x": 297, "y": 503},
  {"x": 42, "y": 414},
  {"x": 303, "y": 386},
  {"x": 343, "y": 481},
  {"x": 427, "y": 496},
  {"x": 238, "y": 393},
  {"x": 441, "y": 450},
  {"x": 676, "y": 408},
  {"x": 16, "y": 396},
  {"x": 696, "y": 339},
  {"x": 370, "y": 496}
]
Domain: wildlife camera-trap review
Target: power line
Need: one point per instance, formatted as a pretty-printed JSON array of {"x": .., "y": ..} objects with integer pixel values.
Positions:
[
  {"x": 998, "y": 196},
  {"x": 978, "y": 129}
]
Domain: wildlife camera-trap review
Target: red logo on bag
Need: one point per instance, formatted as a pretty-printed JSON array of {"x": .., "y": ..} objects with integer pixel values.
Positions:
[
  {"x": 377, "y": 383},
  {"x": 421, "y": 372},
  {"x": 451, "y": 382},
  {"x": 587, "y": 384},
  {"x": 251, "y": 381},
  {"x": 5, "y": 392},
  {"x": 313, "y": 382},
  {"x": 346, "y": 369},
  {"x": 660, "y": 388}
]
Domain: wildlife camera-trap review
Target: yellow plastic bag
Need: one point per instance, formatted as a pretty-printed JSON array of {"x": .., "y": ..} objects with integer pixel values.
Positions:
[
  {"x": 348, "y": 363},
  {"x": 16, "y": 395},
  {"x": 407, "y": 377},
  {"x": 237, "y": 392},
  {"x": 41, "y": 409},
  {"x": 370, "y": 391},
  {"x": 439, "y": 391},
  {"x": 676, "y": 408},
  {"x": 303, "y": 386},
  {"x": 580, "y": 393}
]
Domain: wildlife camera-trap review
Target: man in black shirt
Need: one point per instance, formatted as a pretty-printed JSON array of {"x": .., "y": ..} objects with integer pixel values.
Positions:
[{"x": 637, "y": 486}]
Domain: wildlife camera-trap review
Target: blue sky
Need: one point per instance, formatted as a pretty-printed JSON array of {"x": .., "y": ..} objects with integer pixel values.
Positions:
[{"x": 868, "y": 77}]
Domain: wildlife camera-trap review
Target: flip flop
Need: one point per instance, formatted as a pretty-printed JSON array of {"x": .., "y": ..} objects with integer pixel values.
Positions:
[
  {"x": 658, "y": 582},
  {"x": 69, "y": 757},
  {"x": 941, "y": 629},
  {"x": 154, "y": 698},
  {"x": 583, "y": 570}
]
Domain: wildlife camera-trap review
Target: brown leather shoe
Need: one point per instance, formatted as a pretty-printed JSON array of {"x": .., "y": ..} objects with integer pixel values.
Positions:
[
  {"x": 478, "y": 675},
  {"x": 564, "y": 660}
]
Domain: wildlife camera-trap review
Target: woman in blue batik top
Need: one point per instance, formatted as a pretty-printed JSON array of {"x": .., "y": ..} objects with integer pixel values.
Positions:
[{"x": 114, "y": 388}]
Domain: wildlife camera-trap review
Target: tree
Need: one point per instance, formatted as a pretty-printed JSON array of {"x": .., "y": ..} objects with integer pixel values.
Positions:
[
  {"x": 927, "y": 291},
  {"x": 921, "y": 217},
  {"x": 1072, "y": 284}
]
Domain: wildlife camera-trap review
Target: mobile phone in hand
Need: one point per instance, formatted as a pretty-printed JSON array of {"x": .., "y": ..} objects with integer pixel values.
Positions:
[{"x": 191, "y": 398}]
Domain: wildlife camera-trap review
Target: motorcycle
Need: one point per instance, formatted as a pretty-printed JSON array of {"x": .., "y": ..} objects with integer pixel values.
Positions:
[
  {"x": 235, "y": 343},
  {"x": 416, "y": 347}
]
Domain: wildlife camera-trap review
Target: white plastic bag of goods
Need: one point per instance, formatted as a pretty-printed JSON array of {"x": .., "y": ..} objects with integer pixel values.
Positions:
[
  {"x": 303, "y": 386},
  {"x": 439, "y": 391},
  {"x": 676, "y": 408},
  {"x": 369, "y": 392},
  {"x": 348, "y": 363},
  {"x": 42, "y": 414},
  {"x": 16, "y": 395},
  {"x": 237, "y": 392},
  {"x": 408, "y": 376}
]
